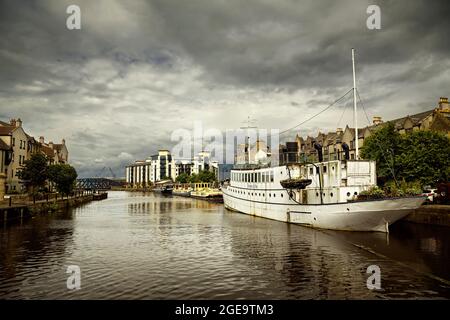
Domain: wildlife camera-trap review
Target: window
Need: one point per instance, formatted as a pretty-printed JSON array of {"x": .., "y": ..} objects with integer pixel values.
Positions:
[
  {"x": 311, "y": 170},
  {"x": 324, "y": 169},
  {"x": 331, "y": 194},
  {"x": 259, "y": 177},
  {"x": 348, "y": 194},
  {"x": 13, "y": 141},
  {"x": 271, "y": 176}
]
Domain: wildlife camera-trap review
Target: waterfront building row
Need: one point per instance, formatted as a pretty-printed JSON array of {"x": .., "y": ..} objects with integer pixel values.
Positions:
[
  {"x": 331, "y": 144},
  {"x": 17, "y": 146},
  {"x": 163, "y": 166}
]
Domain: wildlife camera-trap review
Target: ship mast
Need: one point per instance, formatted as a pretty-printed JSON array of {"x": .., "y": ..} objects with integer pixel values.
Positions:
[{"x": 355, "y": 117}]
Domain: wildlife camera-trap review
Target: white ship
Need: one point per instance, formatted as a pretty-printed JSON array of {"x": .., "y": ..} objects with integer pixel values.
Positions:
[{"x": 320, "y": 195}]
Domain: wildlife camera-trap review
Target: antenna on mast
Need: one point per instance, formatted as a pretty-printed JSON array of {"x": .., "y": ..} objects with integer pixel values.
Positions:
[{"x": 355, "y": 118}]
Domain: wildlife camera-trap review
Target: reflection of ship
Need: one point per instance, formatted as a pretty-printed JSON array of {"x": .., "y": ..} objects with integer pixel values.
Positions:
[
  {"x": 322, "y": 195},
  {"x": 164, "y": 187}
]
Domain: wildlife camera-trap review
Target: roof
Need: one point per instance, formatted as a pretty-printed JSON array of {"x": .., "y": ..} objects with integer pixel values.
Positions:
[
  {"x": 57, "y": 146},
  {"x": 6, "y": 130},
  {"x": 47, "y": 151},
  {"x": 4, "y": 146}
]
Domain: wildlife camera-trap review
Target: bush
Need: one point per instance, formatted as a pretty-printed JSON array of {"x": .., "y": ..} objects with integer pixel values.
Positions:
[{"x": 373, "y": 193}]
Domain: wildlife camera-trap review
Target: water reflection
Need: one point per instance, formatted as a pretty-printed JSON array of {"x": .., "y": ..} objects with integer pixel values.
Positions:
[{"x": 145, "y": 246}]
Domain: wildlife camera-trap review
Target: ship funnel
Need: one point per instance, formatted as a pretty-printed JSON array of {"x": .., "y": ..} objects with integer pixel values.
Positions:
[
  {"x": 318, "y": 147},
  {"x": 346, "y": 150}
]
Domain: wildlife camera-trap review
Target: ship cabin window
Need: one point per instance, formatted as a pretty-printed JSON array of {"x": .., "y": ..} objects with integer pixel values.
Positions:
[
  {"x": 259, "y": 177},
  {"x": 311, "y": 170},
  {"x": 348, "y": 194},
  {"x": 324, "y": 169},
  {"x": 263, "y": 177},
  {"x": 271, "y": 176}
]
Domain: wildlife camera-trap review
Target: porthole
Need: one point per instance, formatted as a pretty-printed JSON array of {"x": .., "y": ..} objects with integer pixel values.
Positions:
[
  {"x": 332, "y": 168},
  {"x": 324, "y": 194},
  {"x": 331, "y": 194},
  {"x": 274, "y": 195},
  {"x": 317, "y": 194},
  {"x": 348, "y": 194},
  {"x": 282, "y": 195},
  {"x": 356, "y": 193},
  {"x": 270, "y": 194}
]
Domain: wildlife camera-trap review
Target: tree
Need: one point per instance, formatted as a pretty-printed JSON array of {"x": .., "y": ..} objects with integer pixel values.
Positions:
[
  {"x": 182, "y": 178},
  {"x": 425, "y": 157},
  {"x": 34, "y": 172},
  {"x": 63, "y": 176},
  {"x": 206, "y": 176},
  {"x": 421, "y": 156},
  {"x": 383, "y": 146}
]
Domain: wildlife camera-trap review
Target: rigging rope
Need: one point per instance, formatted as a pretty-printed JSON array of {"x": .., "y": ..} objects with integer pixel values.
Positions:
[{"x": 320, "y": 112}]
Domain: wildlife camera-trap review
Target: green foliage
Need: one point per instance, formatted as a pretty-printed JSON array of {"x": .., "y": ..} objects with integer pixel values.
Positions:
[
  {"x": 34, "y": 172},
  {"x": 403, "y": 188},
  {"x": 63, "y": 176},
  {"x": 373, "y": 193},
  {"x": 183, "y": 178},
  {"x": 417, "y": 156},
  {"x": 383, "y": 146},
  {"x": 203, "y": 176},
  {"x": 425, "y": 156}
]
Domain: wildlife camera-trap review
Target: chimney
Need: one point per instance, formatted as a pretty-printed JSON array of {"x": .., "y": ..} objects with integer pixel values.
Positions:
[
  {"x": 63, "y": 141},
  {"x": 18, "y": 123},
  {"x": 41, "y": 140},
  {"x": 443, "y": 103},
  {"x": 13, "y": 122},
  {"x": 377, "y": 120},
  {"x": 50, "y": 144}
]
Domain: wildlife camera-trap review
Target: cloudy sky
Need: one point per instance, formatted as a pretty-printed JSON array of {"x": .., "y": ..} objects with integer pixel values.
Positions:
[{"x": 137, "y": 70}]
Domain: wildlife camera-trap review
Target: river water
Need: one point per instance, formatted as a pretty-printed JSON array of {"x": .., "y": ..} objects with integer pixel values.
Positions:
[{"x": 147, "y": 246}]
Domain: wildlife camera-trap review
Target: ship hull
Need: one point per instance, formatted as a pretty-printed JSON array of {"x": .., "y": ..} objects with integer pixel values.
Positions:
[{"x": 372, "y": 215}]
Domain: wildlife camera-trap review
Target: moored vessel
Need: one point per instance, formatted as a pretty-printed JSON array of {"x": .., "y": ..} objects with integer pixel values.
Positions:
[{"x": 323, "y": 194}]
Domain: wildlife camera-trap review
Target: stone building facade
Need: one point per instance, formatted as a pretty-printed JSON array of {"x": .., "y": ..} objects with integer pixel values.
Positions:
[
  {"x": 16, "y": 146},
  {"x": 435, "y": 119}
]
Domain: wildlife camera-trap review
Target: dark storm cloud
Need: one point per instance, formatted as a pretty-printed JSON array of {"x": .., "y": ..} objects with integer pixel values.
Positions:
[{"x": 117, "y": 88}]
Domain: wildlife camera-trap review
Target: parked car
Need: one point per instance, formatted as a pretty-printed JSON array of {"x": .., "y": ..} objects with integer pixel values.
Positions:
[
  {"x": 430, "y": 194},
  {"x": 443, "y": 193}
]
